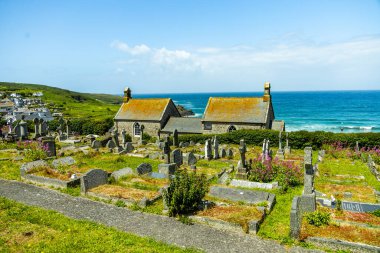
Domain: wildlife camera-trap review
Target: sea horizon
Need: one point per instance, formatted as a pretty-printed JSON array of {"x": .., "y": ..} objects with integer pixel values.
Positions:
[{"x": 353, "y": 111}]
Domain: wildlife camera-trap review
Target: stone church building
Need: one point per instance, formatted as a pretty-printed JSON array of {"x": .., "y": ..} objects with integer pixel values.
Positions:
[{"x": 160, "y": 116}]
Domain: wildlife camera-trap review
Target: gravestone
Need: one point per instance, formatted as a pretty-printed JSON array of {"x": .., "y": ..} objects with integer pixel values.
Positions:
[
  {"x": 123, "y": 137},
  {"x": 309, "y": 171},
  {"x": 128, "y": 147},
  {"x": 92, "y": 179},
  {"x": 144, "y": 168},
  {"x": 166, "y": 150},
  {"x": 191, "y": 144},
  {"x": 175, "y": 138},
  {"x": 242, "y": 170},
  {"x": 230, "y": 153},
  {"x": 357, "y": 147},
  {"x": 181, "y": 145},
  {"x": 208, "y": 150},
  {"x": 141, "y": 141},
  {"x": 167, "y": 169},
  {"x": 96, "y": 144},
  {"x": 116, "y": 175},
  {"x": 185, "y": 144},
  {"x": 21, "y": 130},
  {"x": 189, "y": 158},
  {"x": 223, "y": 153},
  {"x": 287, "y": 147},
  {"x": 176, "y": 157},
  {"x": 295, "y": 218},
  {"x": 110, "y": 144},
  {"x": 248, "y": 196},
  {"x": 216, "y": 148},
  {"x": 64, "y": 161},
  {"x": 50, "y": 148},
  {"x": 36, "y": 128},
  {"x": 28, "y": 167}
]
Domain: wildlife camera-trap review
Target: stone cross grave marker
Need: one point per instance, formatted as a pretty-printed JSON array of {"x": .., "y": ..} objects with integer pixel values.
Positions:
[
  {"x": 216, "y": 148},
  {"x": 208, "y": 150}
]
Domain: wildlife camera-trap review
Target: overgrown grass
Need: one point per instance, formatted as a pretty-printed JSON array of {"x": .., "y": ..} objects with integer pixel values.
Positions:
[
  {"x": 277, "y": 224},
  {"x": 10, "y": 170},
  {"x": 32, "y": 229}
]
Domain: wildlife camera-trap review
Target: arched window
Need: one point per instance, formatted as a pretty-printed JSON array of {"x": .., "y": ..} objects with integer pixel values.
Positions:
[
  {"x": 136, "y": 129},
  {"x": 231, "y": 129}
]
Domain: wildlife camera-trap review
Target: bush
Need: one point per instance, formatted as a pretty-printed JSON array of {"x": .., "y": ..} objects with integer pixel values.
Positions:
[
  {"x": 376, "y": 213},
  {"x": 318, "y": 218},
  {"x": 297, "y": 140},
  {"x": 33, "y": 150},
  {"x": 185, "y": 192}
]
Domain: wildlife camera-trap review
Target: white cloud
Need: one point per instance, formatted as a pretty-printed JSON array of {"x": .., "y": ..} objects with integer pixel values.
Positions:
[
  {"x": 136, "y": 50},
  {"x": 165, "y": 56}
]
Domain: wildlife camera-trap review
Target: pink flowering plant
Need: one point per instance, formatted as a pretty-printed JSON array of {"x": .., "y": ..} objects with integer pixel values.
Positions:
[
  {"x": 287, "y": 173},
  {"x": 342, "y": 150},
  {"x": 33, "y": 150}
]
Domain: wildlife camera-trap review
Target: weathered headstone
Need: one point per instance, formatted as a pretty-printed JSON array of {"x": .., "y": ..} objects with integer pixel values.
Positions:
[
  {"x": 28, "y": 167},
  {"x": 208, "y": 150},
  {"x": 230, "y": 153},
  {"x": 128, "y": 147},
  {"x": 36, "y": 128},
  {"x": 216, "y": 148},
  {"x": 123, "y": 137},
  {"x": 176, "y": 157},
  {"x": 242, "y": 171},
  {"x": 191, "y": 144},
  {"x": 110, "y": 144},
  {"x": 144, "y": 168},
  {"x": 92, "y": 179},
  {"x": 167, "y": 169},
  {"x": 189, "y": 158},
  {"x": 96, "y": 144},
  {"x": 141, "y": 141},
  {"x": 175, "y": 138},
  {"x": 116, "y": 175},
  {"x": 295, "y": 219},
  {"x": 223, "y": 153},
  {"x": 287, "y": 147},
  {"x": 166, "y": 150},
  {"x": 64, "y": 161},
  {"x": 49, "y": 146}
]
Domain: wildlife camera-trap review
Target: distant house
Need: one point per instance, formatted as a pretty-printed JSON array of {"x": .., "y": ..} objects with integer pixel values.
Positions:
[
  {"x": 226, "y": 114},
  {"x": 152, "y": 114},
  {"x": 6, "y": 105},
  {"x": 38, "y": 94}
]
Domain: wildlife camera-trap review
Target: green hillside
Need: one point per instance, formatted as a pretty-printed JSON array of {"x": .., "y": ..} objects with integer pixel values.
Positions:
[{"x": 71, "y": 104}]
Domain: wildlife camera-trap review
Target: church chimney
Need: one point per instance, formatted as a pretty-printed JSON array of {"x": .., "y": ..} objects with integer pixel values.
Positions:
[
  {"x": 266, "y": 96},
  {"x": 127, "y": 94}
]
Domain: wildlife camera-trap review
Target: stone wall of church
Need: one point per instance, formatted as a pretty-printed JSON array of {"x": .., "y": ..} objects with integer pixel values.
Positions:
[
  {"x": 150, "y": 128},
  {"x": 219, "y": 128}
]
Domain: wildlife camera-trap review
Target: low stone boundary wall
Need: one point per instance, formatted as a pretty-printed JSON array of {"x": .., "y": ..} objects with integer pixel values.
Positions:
[
  {"x": 50, "y": 181},
  {"x": 250, "y": 184},
  {"x": 343, "y": 245}
]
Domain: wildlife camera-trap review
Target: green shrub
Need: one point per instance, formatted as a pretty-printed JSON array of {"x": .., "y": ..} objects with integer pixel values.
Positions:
[
  {"x": 376, "y": 213},
  {"x": 318, "y": 218},
  {"x": 185, "y": 192}
]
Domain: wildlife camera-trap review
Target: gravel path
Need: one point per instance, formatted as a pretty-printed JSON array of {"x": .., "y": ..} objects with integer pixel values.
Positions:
[{"x": 161, "y": 228}]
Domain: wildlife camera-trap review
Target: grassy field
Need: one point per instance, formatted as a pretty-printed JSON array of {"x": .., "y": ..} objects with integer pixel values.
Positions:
[
  {"x": 32, "y": 229},
  {"x": 71, "y": 104}
]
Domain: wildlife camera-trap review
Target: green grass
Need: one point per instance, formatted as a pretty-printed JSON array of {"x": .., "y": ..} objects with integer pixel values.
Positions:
[
  {"x": 276, "y": 224},
  {"x": 10, "y": 170},
  {"x": 32, "y": 229},
  {"x": 72, "y": 104}
]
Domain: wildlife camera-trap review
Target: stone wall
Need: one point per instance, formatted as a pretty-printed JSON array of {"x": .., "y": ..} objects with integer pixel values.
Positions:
[
  {"x": 218, "y": 128},
  {"x": 151, "y": 128}
]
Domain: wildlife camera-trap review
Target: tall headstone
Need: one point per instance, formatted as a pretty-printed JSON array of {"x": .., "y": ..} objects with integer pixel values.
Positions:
[
  {"x": 49, "y": 146},
  {"x": 208, "y": 150},
  {"x": 176, "y": 157},
  {"x": 123, "y": 137},
  {"x": 166, "y": 150},
  {"x": 141, "y": 141},
  {"x": 175, "y": 138},
  {"x": 67, "y": 122},
  {"x": 242, "y": 170},
  {"x": 308, "y": 198},
  {"x": 230, "y": 153},
  {"x": 357, "y": 147},
  {"x": 223, "y": 153},
  {"x": 23, "y": 130},
  {"x": 216, "y": 148},
  {"x": 263, "y": 151},
  {"x": 36, "y": 128},
  {"x": 287, "y": 147}
]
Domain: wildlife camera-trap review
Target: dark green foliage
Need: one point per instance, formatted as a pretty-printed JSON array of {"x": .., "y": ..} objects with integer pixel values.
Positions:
[
  {"x": 185, "y": 192},
  {"x": 318, "y": 218},
  {"x": 53, "y": 124},
  {"x": 376, "y": 213},
  {"x": 339, "y": 205},
  {"x": 297, "y": 140},
  {"x": 89, "y": 126}
]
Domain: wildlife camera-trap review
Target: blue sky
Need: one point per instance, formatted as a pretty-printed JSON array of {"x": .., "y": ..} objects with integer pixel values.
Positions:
[{"x": 191, "y": 46}]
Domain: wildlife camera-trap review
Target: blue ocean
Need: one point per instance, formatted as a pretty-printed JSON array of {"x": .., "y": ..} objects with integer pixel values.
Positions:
[{"x": 334, "y": 111}]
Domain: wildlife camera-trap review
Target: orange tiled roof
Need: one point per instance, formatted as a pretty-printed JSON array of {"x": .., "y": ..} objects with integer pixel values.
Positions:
[
  {"x": 143, "y": 109},
  {"x": 236, "y": 109}
]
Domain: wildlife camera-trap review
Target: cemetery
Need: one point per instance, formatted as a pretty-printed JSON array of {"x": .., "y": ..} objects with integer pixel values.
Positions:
[{"x": 271, "y": 190}]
